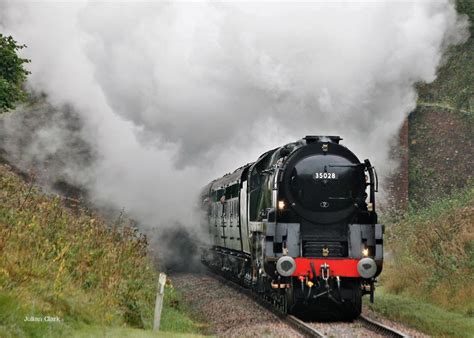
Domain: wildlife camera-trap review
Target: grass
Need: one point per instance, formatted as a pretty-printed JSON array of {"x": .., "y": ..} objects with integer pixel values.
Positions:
[
  {"x": 12, "y": 324},
  {"x": 453, "y": 86},
  {"x": 71, "y": 264},
  {"x": 442, "y": 127},
  {"x": 432, "y": 254},
  {"x": 425, "y": 317},
  {"x": 440, "y": 154},
  {"x": 97, "y": 331},
  {"x": 176, "y": 321},
  {"x": 177, "y": 316}
]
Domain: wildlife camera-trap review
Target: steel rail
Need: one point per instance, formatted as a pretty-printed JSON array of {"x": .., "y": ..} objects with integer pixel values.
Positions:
[
  {"x": 379, "y": 327},
  {"x": 291, "y": 320},
  {"x": 301, "y": 326}
]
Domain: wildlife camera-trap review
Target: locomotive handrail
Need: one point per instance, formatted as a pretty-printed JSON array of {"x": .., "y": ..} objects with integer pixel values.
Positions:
[
  {"x": 376, "y": 180},
  {"x": 371, "y": 170}
]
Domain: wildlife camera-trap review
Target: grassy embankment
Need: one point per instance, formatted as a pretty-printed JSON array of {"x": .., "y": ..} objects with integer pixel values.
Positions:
[
  {"x": 428, "y": 281},
  {"x": 428, "y": 278},
  {"x": 70, "y": 264}
]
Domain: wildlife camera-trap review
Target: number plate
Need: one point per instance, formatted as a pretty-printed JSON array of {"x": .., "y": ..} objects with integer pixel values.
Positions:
[{"x": 324, "y": 176}]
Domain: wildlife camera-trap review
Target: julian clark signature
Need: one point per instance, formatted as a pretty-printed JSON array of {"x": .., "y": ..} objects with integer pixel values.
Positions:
[{"x": 43, "y": 319}]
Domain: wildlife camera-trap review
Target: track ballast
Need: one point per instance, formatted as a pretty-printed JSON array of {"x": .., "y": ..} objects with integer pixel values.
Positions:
[{"x": 313, "y": 329}]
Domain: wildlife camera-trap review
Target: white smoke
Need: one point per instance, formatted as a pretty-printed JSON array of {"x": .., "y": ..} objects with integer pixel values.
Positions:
[{"x": 173, "y": 94}]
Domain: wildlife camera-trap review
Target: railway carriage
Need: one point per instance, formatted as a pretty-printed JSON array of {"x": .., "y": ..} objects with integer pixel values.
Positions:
[{"x": 298, "y": 226}]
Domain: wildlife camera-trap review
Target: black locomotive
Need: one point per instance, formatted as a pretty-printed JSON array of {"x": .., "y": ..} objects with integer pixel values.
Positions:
[{"x": 298, "y": 226}]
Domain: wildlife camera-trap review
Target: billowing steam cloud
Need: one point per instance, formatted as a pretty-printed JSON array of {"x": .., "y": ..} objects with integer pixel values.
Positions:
[{"x": 171, "y": 95}]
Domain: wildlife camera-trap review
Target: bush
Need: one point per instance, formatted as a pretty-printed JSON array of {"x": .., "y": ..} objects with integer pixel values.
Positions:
[{"x": 12, "y": 73}]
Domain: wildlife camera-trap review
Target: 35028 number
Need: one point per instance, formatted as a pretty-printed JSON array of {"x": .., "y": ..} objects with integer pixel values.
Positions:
[{"x": 324, "y": 176}]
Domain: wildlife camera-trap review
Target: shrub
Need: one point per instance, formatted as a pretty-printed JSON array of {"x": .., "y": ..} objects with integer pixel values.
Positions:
[{"x": 12, "y": 73}]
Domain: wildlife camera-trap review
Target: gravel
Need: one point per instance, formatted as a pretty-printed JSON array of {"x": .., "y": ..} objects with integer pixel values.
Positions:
[
  {"x": 397, "y": 326},
  {"x": 232, "y": 314},
  {"x": 343, "y": 330},
  {"x": 229, "y": 313}
]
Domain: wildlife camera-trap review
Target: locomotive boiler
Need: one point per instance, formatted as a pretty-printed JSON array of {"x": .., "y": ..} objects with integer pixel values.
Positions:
[{"x": 299, "y": 227}]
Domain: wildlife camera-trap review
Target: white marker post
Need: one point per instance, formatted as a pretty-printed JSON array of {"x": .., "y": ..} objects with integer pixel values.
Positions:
[{"x": 159, "y": 301}]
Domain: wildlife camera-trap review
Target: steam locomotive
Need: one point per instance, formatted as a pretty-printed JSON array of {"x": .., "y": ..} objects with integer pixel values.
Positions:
[{"x": 299, "y": 227}]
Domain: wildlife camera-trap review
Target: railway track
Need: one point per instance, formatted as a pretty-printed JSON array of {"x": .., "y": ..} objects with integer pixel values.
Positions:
[
  {"x": 379, "y": 327},
  {"x": 308, "y": 330},
  {"x": 303, "y": 327},
  {"x": 362, "y": 327}
]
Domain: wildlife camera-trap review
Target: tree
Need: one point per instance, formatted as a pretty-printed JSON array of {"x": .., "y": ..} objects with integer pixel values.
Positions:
[{"x": 12, "y": 73}]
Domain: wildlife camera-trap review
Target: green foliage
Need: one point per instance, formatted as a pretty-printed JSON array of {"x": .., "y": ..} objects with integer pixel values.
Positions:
[
  {"x": 12, "y": 323},
  {"x": 70, "y": 264},
  {"x": 425, "y": 317},
  {"x": 440, "y": 147},
  {"x": 433, "y": 253},
  {"x": 176, "y": 316},
  {"x": 56, "y": 261},
  {"x": 12, "y": 73},
  {"x": 454, "y": 83},
  {"x": 466, "y": 7},
  {"x": 453, "y": 86}
]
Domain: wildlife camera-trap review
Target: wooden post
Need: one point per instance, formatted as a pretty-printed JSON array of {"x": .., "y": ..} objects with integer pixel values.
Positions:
[{"x": 159, "y": 301}]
